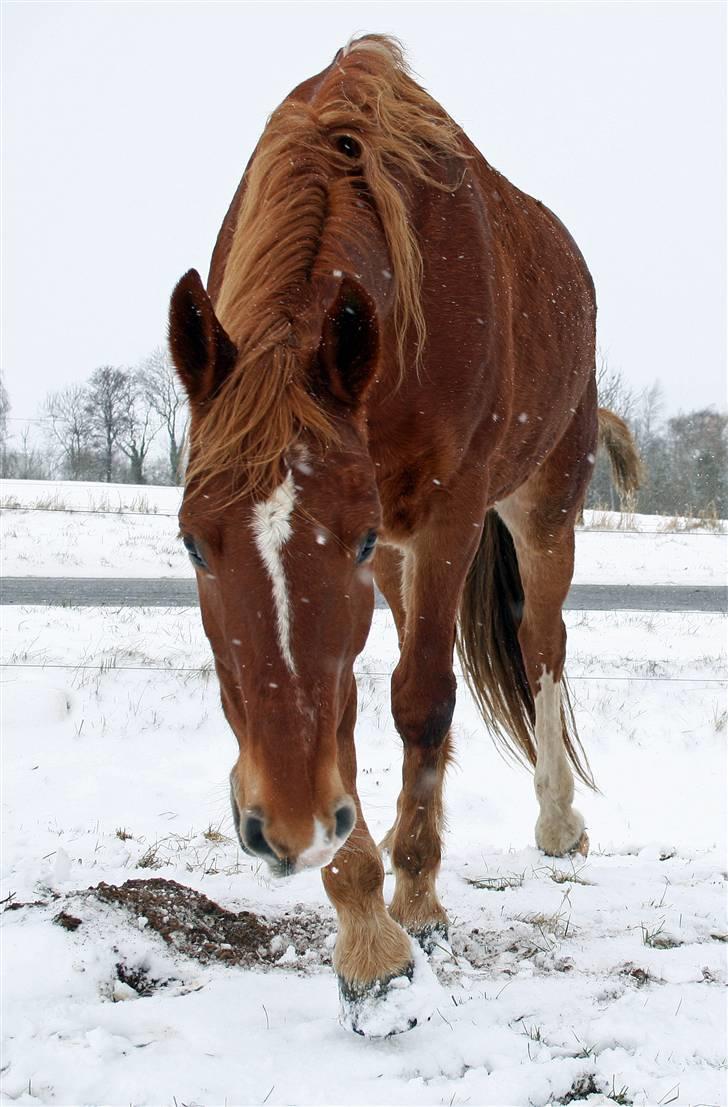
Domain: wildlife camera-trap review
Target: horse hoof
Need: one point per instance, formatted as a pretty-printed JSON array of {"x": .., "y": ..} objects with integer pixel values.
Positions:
[
  {"x": 432, "y": 937},
  {"x": 367, "y": 1009},
  {"x": 391, "y": 1006},
  {"x": 582, "y": 846}
]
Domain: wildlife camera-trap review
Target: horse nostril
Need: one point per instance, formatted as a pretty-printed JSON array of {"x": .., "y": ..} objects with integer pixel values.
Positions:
[
  {"x": 254, "y": 838},
  {"x": 345, "y": 817}
]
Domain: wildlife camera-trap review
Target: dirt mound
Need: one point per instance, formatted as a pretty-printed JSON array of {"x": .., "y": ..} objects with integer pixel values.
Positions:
[{"x": 198, "y": 927}]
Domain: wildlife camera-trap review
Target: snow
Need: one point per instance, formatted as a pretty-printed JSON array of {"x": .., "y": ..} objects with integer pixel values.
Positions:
[
  {"x": 91, "y": 495},
  {"x": 578, "y": 980},
  {"x": 56, "y": 542}
]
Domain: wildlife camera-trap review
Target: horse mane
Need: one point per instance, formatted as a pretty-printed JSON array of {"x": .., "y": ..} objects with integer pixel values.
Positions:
[{"x": 366, "y": 94}]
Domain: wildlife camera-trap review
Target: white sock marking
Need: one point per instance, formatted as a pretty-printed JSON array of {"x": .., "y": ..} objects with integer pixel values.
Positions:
[
  {"x": 559, "y": 826},
  {"x": 554, "y": 782},
  {"x": 272, "y": 528}
]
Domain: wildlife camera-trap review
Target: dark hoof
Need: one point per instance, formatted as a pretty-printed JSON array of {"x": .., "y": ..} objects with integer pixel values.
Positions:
[
  {"x": 377, "y": 1010},
  {"x": 432, "y": 937}
]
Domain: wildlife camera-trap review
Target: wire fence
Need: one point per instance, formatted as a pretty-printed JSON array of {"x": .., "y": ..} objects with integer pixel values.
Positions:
[{"x": 205, "y": 670}]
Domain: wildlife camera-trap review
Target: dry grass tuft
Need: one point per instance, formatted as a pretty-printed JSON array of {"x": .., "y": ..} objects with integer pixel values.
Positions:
[{"x": 500, "y": 883}]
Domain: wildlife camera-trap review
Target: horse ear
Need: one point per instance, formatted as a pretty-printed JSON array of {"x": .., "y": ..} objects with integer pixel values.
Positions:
[
  {"x": 202, "y": 353},
  {"x": 349, "y": 343}
]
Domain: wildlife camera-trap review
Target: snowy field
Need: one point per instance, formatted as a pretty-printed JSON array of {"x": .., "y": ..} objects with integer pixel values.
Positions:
[
  {"x": 597, "y": 981},
  {"x": 118, "y": 530}
]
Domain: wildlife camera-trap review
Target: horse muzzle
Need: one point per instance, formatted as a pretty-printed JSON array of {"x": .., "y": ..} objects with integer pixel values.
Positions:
[{"x": 283, "y": 859}]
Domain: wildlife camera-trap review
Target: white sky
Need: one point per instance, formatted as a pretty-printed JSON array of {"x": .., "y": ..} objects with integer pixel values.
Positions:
[{"x": 128, "y": 125}]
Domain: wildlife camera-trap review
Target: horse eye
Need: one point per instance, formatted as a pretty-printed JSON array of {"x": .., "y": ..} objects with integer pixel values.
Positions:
[
  {"x": 349, "y": 146},
  {"x": 195, "y": 556},
  {"x": 366, "y": 547}
]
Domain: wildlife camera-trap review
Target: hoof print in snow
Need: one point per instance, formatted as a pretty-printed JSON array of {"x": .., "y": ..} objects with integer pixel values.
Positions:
[
  {"x": 638, "y": 975},
  {"x": 136, "y": 980}
]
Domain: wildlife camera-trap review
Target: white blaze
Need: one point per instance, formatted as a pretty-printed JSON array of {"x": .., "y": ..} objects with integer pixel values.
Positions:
[{"x": 272, "y": 528}]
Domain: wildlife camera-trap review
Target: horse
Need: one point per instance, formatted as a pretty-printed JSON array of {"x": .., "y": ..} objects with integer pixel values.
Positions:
[{"x": 391, "y": 378}]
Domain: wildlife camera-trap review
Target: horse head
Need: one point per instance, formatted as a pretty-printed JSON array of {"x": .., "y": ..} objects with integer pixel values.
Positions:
[{"x": 282, "y": 555}]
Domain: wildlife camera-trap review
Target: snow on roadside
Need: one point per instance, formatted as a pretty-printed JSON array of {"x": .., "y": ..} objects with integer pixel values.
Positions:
[
  {"x": 89, "y": 495},
  {"x": 595, "y": 982},
  {"x": 134, "y": 534}
]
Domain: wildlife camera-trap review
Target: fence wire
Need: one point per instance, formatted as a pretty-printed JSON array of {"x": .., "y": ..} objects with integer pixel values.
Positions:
[{"x": 170, "y": 670}]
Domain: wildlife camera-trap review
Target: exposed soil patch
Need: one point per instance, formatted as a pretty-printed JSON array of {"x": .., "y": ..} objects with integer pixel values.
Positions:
[
  {"x": 13, "y": 906},
  {"x": 198, "y": 927},
  {"x": 68, "y": 922}
]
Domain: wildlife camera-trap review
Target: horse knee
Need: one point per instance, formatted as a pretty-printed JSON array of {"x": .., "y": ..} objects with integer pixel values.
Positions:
[{"x": 423, "y": 707}]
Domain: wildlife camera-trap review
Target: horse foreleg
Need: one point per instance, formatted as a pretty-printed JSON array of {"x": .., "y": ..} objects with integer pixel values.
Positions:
[
  {"x": 371, "y": 949},
  {"x": 423, "y": 700},
  {"x": 416, "y": 844}
]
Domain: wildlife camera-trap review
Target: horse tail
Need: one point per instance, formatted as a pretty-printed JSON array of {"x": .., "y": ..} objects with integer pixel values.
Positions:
[
  {"x": 616, "y": 438},
  {"x": 490, "y": 655}
]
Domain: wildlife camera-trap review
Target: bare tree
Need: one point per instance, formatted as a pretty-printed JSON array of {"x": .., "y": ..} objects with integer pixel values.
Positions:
[
  {"x": 616, "y": 395},
  {"x": 698, "y": 443},
  {"x": 613, "y": 391},
  {"x": 4, "y": 412},
  {"x": 26, "y": 463},
  {"x": 70, "y": 429},
  {"x": 107, "y": 407},
  {"x": 166, "y": 397},
  {"x": 648, "y": 415},
  {"x": 139, "y": 426}
]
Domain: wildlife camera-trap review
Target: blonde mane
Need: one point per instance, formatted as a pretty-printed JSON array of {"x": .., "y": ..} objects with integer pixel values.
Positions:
[{"x": 366, "y": 94}]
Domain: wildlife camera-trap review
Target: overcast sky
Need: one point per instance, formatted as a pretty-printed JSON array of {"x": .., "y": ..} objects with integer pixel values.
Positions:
[{"x": 128, "y": 125}]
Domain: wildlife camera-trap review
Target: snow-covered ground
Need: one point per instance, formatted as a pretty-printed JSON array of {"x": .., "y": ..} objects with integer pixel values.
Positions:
[
  {"x": 597, "y": 981},
  {"x": 88, "y": 529}
]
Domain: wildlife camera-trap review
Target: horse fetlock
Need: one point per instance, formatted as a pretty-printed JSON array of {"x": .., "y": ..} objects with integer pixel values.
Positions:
[
  {"x": 560, "y": 832},
  {"x": 416, "y": 907},
  {"x": 371, "y": 947}
]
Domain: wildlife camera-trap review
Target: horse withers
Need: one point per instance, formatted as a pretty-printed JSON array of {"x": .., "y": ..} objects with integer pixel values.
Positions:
[{"x": 390, "y": 376}]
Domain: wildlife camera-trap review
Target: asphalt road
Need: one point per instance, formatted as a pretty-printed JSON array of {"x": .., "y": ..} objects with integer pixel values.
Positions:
[{"x": 167, "y": 592}]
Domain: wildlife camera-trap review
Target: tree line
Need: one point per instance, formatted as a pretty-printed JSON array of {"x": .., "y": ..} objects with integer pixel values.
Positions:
[
  {"x": 122, "y": 425},
  {"x": 684, "y": 457},
  {"x": 128, "y": 425}
]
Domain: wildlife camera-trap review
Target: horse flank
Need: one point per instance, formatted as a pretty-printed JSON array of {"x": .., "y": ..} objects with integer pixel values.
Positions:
[{"x": 402, "y": 134}]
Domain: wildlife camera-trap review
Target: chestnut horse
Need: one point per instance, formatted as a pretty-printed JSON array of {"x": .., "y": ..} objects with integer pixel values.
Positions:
[{"x": 390, "y": 374}]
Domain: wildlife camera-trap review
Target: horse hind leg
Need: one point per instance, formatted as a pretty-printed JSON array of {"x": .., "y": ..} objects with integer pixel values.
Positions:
[
  {"x": 560, "y": 827},
  {"x": 544, "y": 543}
]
